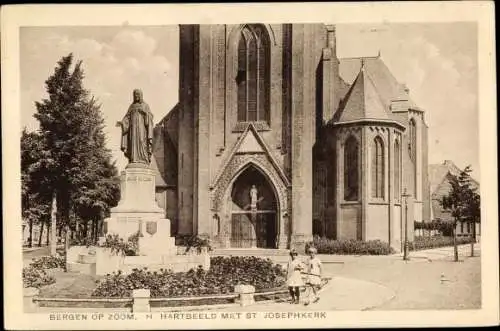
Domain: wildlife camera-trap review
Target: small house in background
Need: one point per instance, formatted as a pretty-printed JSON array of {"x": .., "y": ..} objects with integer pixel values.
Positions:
[
  {"x": 439, "y": 178},
  {"x": 35, "y": 233}
]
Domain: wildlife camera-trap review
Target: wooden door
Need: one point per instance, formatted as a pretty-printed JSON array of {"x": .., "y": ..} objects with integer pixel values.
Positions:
[{"x": 242, "y": 231}]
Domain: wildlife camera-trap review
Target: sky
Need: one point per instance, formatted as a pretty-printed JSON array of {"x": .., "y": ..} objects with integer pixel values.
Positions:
[{"x": 437, "y": 61}]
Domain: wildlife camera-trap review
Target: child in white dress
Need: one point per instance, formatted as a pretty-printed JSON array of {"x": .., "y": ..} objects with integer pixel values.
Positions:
[
  {"x": 294, "y": 277},
  {"x": 314, "y": 274}
]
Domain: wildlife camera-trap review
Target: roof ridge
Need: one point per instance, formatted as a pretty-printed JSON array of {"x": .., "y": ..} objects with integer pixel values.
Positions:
[
  {"x": 377, "y": 91},
  {"x": 345, "y": 99}
]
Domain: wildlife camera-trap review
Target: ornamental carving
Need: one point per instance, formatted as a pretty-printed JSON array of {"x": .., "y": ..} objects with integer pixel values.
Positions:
[
  {"x": 236, "y": 166},
  {"x": 343, "y": 133},
  {"x": 151, "y": 227}
]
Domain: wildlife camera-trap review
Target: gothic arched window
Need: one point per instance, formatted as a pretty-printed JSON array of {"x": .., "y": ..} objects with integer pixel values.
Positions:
[
  {"x": 412, "y": 146},
  {"x": 253, "y": 74},
  {"x": 351, "y": 182},
  {"x": 378, "y": 168},
  {"x": 397, "y": 165}
]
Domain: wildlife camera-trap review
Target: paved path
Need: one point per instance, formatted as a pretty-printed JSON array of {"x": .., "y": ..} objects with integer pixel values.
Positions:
[
  {"x": 339, "y": 294},
  {"x": 389, "y": 283}
]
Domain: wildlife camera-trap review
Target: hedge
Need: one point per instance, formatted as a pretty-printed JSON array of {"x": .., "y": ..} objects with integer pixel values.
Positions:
[
  {"x": 351, "y": 246},
  {"x": 437, "y": 241}
]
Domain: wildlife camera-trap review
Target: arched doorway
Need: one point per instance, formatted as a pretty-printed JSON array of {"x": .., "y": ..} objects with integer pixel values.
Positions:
[{"x": 253, "y": 211}]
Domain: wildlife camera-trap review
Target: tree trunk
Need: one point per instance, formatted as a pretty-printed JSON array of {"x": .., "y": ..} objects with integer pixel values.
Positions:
[
  {"x": 47, "y": 238},
  {"x": 53, "y": 225},
  {"x": 66, "y": 245},
  {"x": 100, "y": 224},
  {"x": 473, "y": 239},
  {"x": 455, "y": 248},
  {"x": 92, "y": 229},
  {"x": 96, "y": 230},
  {"x": 40, "y": 238},
  {"x": 85, "y": 228},
  {"x": 30, "y": 238}
]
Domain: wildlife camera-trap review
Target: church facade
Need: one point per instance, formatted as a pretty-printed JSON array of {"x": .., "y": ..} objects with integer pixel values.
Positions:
[{"x": 275, "y": 139}]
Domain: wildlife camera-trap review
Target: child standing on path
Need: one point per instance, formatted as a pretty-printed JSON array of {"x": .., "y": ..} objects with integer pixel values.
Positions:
[
  {"x": 314, "y": 275},
  {"x": 294, "y": 277}
]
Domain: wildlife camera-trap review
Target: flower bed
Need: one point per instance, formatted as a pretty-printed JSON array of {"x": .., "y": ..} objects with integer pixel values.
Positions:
[
  {"x": 33, "y": 277},
  {"x": 423, "y": 242},
  {"x": 224, "y": 274},
  {"x": 120, "y": 246},
  {"x": 347, "y": 247},
  {"x": 48, "y": 262}
]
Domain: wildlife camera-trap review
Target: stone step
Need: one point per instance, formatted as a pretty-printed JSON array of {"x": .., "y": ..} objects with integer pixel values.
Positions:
[{"x": 83, "y": 268}]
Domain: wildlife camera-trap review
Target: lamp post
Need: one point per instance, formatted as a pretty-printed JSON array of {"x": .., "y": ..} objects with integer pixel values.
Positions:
[{"x": 405, "y": 196}]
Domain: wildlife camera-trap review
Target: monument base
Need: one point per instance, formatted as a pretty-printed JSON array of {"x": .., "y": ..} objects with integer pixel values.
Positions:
[{"x": 138, "y": 213}]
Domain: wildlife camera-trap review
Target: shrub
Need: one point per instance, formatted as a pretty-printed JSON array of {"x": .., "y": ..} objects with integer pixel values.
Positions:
[
  {"x": 48, "y": 262},
  {"x": 86, "y": 241},
  {"x": 35, "y": 277},
  {"x": 224, "y": 274},
  {"x": 436, "y": 241},
  {"x": 193, "y": 242},
  {"x": 438, "y": 225},
  {"x": 119, "y": 246},
  {"x": 351, "y": 246}
]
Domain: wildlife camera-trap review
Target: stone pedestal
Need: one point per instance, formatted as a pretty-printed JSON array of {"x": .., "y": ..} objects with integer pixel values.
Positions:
[
  {"x": 141, "y": 301},
  {"x": 246, "y": 294},
  {"x": 29, "y": 294},
  {"x": 137, "y": 186},
  {"x": 138, "y": 212}
]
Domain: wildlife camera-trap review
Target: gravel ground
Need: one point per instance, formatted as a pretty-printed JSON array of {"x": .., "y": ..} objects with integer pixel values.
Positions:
[{"x": 417, "y": 283}]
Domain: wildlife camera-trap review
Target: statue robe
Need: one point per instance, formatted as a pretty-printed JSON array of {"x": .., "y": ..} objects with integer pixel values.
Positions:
[{"x": 137, "y": 133}]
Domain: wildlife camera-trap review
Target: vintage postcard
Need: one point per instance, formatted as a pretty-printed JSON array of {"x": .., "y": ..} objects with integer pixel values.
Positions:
[{"x": 249, "y": 166}]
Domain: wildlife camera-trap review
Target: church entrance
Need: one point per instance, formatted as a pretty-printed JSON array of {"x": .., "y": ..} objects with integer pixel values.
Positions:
[{"x": 253, "y": 211}]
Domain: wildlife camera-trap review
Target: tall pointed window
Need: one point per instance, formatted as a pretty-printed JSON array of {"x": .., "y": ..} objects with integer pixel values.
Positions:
[
  {"x": 378, "y": 168},
  {"x": 253, "y": 74},
  {"x": 351, "y": 169},
  {"x": 397, "y": 165},
  {"x": 412, "y": 146}
]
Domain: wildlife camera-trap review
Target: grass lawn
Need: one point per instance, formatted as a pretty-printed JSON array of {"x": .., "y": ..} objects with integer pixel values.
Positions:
[{"x": 69, "y": 285}]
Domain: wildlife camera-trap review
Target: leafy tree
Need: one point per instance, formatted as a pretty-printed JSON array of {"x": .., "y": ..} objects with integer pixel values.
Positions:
[
  {"x": 75, "y": 161},
  {"x": 35, "y": 202},
  {"x": 462, "y": 202},
  {"x": 99, "y": 183},
  {"x": 474, "y": 213}
]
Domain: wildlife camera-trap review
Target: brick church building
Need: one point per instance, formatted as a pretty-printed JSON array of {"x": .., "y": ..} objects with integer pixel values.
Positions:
[{"x": 275, "y": 139}]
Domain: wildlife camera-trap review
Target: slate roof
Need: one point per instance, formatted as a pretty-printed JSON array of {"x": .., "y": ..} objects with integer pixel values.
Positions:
[
  {"x": 165, "y": 146},
  {"x": 362, "y": 101},
  {"x": 371, "y": 90},
  {"x": 159, "y": 180},
  {"x": 384, "y": 81}
]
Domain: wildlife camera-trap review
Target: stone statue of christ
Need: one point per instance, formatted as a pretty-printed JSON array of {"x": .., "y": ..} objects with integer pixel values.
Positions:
[
  {"x": 137, "y": 131},
  {"x": 253, "y": 197}
]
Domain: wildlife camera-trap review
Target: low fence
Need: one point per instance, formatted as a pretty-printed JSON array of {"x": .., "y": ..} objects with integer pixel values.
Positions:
[{"x": 141, "y": 300}]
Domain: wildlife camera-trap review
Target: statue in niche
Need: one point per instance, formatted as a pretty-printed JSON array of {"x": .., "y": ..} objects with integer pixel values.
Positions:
[
  {"x": 253, "y": 197},
  {"x": 137, "y": 131}
]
